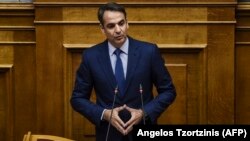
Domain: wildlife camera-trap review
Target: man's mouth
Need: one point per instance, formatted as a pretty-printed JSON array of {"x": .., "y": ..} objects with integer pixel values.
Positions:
[{"x": 119, "y": 37}]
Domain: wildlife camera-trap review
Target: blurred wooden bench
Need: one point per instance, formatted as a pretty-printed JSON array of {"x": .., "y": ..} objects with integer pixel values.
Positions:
[{"x": 37, "y": 137}]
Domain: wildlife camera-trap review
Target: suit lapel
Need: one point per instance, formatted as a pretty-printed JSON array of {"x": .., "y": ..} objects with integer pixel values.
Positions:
[
  {"x": 133, "y": 59},
  {"x": 104, "y": 62}
]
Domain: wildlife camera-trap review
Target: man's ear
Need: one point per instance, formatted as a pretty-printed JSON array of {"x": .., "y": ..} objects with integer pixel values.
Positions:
[
  {"x": 127, "y": 23},
  {"x": 102, "y": 28}
]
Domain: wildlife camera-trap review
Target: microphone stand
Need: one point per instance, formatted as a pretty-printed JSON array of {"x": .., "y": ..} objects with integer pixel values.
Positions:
[
  {"x": 141, "y": 91},
  {"x": 116, "y": 91}
]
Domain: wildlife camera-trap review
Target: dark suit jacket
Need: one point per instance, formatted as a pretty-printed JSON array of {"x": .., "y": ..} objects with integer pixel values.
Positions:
[{"x": 145, "y": 66}]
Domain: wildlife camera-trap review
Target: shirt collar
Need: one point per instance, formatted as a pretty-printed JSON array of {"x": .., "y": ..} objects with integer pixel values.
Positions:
[{"x": 124, "y": 47}]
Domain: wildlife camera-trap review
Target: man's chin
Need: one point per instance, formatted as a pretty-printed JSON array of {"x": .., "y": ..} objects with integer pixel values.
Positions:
[{"x": 120, "y": 42}]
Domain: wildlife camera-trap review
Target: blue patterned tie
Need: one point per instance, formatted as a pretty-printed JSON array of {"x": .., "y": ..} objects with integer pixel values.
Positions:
[{"x": 119, "y": 73}]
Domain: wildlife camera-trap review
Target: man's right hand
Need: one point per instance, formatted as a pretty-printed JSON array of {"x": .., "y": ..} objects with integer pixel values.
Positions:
[{"x": 116, "y": 120}]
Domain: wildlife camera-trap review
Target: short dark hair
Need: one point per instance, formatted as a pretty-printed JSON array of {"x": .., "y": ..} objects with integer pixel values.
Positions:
[{"x": 110, "y": 6}]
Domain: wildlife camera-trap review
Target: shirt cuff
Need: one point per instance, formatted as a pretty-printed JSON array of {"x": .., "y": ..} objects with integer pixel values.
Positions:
[{"x": 103, "y": 113}]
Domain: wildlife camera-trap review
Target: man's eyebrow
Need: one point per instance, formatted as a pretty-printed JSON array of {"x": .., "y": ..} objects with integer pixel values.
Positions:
[{"x": 122, "y": 20}]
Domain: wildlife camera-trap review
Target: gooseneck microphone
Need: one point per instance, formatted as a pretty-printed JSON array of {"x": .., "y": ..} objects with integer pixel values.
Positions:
[
  {"x": 115, "y": 93},
  {"x": 141, "y": 92}
]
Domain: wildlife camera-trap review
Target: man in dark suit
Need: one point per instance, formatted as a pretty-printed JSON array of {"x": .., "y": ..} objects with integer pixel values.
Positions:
[{"x": 127, "y": 65}]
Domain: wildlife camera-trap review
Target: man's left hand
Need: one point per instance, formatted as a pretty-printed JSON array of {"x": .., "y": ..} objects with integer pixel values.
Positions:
[{"x": 136, "y": 116}]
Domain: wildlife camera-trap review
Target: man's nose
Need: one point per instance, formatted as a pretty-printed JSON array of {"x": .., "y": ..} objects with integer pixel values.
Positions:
[{"x": 117, "y": 29}]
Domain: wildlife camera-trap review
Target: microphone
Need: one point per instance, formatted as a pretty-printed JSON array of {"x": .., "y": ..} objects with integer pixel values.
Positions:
[
  {"x": 115, "y": 93},
  {"x": 141, "y": 92}
]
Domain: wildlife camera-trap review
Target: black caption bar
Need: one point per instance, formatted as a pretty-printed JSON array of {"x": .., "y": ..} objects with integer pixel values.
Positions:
[{"x": 215, "y": 132}]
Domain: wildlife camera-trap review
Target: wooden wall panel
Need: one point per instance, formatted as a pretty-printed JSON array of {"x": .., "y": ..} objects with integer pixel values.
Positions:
[
  {"x": 242, "y": 113},
  {"x": 6, "y": 54},
  {"x": 3, "y": 107},
  {"x": 194, "y": 60},
  {"x": 6, "y": 106},
  {"x": 24, "y": 90},
  {"x": 77, "y": 127},
  {"x": 177, "y": 113},
  {"x": 87, "y": 34},
  {"x": 16, "y": 21},
  {"x": 242, "y": 82},
  {"x": 221, "y": 74},
  {"x": 50, "y": 95},
  {"x": 140, "y": 13},
  {"x": 17, "y": 69},
  {"x": 49, "y": 60},
  {"x": 169, "y": 34}
]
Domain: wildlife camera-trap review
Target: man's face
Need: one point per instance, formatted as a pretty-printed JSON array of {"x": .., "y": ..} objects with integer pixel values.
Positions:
[{"x": 115, "y": 27}]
